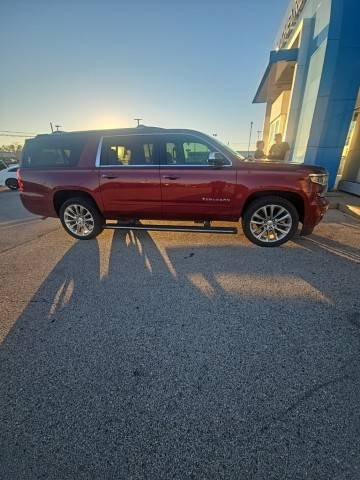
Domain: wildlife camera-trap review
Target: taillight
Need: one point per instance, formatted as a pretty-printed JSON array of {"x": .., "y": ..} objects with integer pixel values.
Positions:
[{"x": 19, "y": 179}]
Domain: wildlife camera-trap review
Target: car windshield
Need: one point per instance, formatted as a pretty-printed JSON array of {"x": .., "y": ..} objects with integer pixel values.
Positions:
[
  {"x": 4, "y": 164},
  {"x": 9, "y": 162},
  {"x": 226, "y": 148}
]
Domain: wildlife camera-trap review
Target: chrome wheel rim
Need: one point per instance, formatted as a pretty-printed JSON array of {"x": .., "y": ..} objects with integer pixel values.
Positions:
[
  {"x": 271, "y": 223},
  {"x": 79, "y": 220}
]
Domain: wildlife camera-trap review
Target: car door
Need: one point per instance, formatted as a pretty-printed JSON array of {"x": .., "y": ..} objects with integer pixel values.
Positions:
[
  {"x": 192, "y": 188},
  {"x": 129, "y": 176}
]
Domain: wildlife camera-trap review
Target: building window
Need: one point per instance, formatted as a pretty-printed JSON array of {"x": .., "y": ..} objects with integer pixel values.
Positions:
[{"x": 274, "y": 129}]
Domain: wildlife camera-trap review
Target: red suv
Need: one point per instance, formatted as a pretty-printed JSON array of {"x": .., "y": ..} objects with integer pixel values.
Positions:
[{"x": 88, "y": 178}]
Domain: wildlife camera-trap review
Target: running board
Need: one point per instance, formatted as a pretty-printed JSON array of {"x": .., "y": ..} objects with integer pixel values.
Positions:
[{"x": 175, "y": 228}]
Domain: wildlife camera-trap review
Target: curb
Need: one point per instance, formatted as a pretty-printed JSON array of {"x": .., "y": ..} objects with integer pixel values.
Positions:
[
  {"x": 350, "y": 210},
  {"x": 344, "y": 203}
]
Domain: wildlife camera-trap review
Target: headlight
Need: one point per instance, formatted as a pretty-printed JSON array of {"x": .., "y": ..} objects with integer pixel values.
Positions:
[{"x": 319, "y": 178}]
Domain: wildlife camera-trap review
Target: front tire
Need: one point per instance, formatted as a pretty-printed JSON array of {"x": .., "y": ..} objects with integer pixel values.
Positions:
[
  {"x": 270, "y": 221},
  {"x": 12, "y": 184},
  {"x": 81, "y": 218}
]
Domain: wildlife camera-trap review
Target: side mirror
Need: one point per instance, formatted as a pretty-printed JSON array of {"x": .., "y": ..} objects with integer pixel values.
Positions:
[{"x": 216, "y": 159}]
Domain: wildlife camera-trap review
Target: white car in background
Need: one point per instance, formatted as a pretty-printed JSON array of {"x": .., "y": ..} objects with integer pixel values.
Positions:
[{"x": 8, "y": 176}]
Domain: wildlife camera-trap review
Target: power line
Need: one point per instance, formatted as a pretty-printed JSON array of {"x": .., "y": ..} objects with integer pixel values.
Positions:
[
  {"x": 18, "y": 131},
  {"x": 15, "y": 136}
]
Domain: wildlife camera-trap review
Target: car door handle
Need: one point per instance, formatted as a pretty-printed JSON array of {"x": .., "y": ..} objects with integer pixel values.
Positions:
[
  {"x": 108, "y": 176},
  {"x": 170, "y": 177}
]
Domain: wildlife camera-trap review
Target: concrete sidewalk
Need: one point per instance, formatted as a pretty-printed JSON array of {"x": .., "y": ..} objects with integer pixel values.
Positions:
[{"x": 345, "y": 202}]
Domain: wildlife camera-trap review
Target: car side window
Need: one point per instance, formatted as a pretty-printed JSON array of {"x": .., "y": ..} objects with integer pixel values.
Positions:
[
  {"x": 171, "y": 153},
  {"x": 187, "y": 151},
  {"x": 125, "y": 151},
  {"x": 195, "y": 153},
  {"x": 53, "y": 152},
  {"x": 54, "y": 156}
]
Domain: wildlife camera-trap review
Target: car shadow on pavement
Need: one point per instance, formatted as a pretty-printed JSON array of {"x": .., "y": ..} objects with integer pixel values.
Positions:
[{"x": 137, "y": 361}]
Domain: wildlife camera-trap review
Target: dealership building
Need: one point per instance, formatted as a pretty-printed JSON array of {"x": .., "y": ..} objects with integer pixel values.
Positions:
[{"x": 311, "y": 88}]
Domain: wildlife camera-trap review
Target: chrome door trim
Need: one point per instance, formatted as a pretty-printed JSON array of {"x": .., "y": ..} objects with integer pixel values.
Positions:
[{"x": 98, "y": 153}]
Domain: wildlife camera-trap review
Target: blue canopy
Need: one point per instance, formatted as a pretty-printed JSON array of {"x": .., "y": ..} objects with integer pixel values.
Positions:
[{"x": 278, "y": 75}]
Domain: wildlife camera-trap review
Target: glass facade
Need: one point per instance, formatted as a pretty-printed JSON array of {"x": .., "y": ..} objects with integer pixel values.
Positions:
[
  {"x": 323, "y": 40},
  {"x": 349, "y": 171}
]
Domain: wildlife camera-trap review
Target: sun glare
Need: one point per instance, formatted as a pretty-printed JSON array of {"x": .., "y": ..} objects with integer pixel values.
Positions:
[{"x": 105, "y": 120}]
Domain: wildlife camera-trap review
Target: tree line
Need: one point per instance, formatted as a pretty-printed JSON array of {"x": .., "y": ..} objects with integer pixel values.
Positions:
[{"x": 12, "y": 148}]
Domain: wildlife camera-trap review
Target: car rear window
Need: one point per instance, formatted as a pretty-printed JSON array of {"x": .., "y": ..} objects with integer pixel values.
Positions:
[{"x": 52, "y": 153}]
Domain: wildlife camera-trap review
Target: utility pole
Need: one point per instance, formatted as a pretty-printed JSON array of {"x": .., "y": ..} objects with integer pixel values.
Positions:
[
  {"x": 251, "y": 127},
  {"x": 138, "y": 121},
  {"x": 57, "y": 127}
]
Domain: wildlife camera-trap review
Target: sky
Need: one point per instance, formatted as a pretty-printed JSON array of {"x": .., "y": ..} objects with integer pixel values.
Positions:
[{"x": 87, "y": 64}]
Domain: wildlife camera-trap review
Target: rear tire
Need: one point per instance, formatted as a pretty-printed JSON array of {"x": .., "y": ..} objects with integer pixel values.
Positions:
[
  {"x": 12, "y": 184},
  {"x": 81, "y": 218},
  {"x": 270, "y": 221}
]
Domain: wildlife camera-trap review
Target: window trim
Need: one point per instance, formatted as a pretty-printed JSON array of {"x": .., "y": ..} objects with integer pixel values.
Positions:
[{"x": 159, "y": 164}]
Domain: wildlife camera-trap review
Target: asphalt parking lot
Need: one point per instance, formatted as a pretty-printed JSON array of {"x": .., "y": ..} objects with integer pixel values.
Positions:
[{"x": 170, "y": 355}]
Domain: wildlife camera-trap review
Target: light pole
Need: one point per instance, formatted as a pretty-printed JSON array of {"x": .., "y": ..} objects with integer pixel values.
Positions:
[{"x": 251, "y": 127}]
